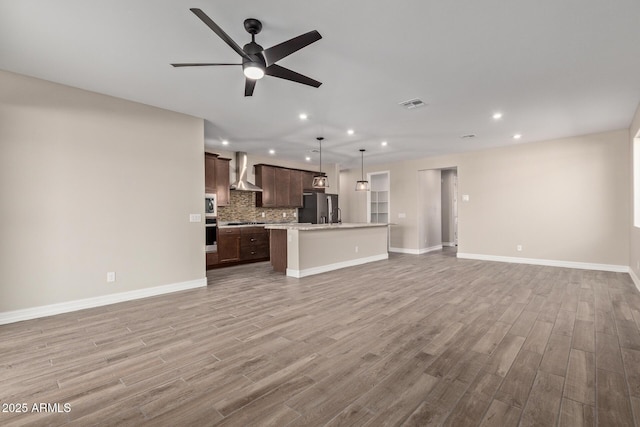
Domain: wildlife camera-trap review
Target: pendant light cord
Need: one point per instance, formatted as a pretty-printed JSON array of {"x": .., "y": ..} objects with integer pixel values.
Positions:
[{"x": 320, "y": 138}]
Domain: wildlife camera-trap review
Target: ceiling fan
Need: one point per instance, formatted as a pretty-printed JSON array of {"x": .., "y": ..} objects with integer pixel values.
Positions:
[{"x": 257, "y": 61}]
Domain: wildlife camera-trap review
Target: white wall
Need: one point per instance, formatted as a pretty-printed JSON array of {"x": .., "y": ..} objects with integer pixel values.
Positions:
[
  {"x": 566, "y": 200},
  {"x": 90, "y": 184}
]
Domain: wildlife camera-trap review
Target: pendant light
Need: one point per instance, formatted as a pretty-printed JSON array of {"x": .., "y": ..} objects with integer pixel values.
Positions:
[
  {"x": 362, "y": 185},
  {"x": 320, "y": 180}
]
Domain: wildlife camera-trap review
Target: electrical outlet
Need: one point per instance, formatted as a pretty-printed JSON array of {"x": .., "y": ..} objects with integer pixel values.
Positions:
[
  {"x": 519, "y": 248},
  {"x": 295, "y": 214},
  {"x": 465, "y": 197},
  {"x": 263, "y": 214},
  {"x": 111, "y": 276},
  {"x": 356, "y": 249},
  {"x": 284, "y": 214}
]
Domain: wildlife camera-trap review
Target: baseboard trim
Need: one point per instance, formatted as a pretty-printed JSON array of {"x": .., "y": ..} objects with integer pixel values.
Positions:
[
  {"x": 405, "y": 251},
  {"x": 431, "y": 249},
  {"x": 416, "y": 251},
  {"x": 635, "y": 278},
  {"x": 449, "y": 244},
  {"x": 335, "y": 266},
  {"x": 67, "y": 307},
  {"x": 548, "y": 262}
]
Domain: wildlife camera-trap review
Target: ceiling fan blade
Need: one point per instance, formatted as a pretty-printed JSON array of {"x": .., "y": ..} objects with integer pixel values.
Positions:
[
  {"x": 195, "y": 64},
  {"x": 279, "y": 51},
  {"x": 216, "y": 29},
  {"x": 287, "y": 74},
  {"x": 249, "y": 85}
]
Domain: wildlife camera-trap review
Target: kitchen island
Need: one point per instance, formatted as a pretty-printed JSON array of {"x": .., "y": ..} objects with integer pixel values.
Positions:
[{"x": 301, "y": 250}]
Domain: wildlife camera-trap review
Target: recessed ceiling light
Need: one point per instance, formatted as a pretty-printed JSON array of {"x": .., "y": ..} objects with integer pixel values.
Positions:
[
  {"x": 350, "y": 132},
  {"x": 225, "y": 142},
  {"x": 517, "y": 136},
  {"x": 272, "y": 151},
  {"x": 383, "y": 143},
  {"x": 308, "y": 159},
  {"x": 303, "y": 116},
  {"x": 497, "y": 116}
]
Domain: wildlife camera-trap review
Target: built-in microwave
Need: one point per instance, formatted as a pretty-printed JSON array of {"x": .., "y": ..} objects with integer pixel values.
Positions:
[{"x": 210, "y": 206}]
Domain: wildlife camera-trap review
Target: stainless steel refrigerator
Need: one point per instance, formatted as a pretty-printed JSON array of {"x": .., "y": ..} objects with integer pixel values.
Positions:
[{"x": 319, "y": 208}]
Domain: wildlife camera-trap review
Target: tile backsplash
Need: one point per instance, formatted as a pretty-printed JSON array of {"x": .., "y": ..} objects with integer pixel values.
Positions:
[{"x": 242, "y": 207}]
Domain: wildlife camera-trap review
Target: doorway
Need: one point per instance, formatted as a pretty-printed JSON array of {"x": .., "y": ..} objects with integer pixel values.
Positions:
[{"x": 438, "y": 210}]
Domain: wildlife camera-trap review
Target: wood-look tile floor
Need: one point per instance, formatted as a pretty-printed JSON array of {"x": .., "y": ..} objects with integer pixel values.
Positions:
[{"x": 415, "y": 340}]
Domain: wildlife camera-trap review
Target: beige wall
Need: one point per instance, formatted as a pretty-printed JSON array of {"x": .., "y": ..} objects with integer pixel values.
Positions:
[
  {"x": 564, "y": 200},
  {"x": 308, "y": 250},
  {"x": 634, "y": 232},
  {"x": 91, "y": 184}
]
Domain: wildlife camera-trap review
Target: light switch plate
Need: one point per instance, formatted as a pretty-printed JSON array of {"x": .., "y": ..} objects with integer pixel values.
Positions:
[
  {"x": 465, "y": 197},
  {"x": 402, "y": 215},
  {"x": 195, "y": 218}
]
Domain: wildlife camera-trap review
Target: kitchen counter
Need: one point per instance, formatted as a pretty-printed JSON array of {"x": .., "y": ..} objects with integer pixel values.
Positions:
[
  {"x": 310, "y": 227},
  {"x": 300, "y": 250},
  {"x": 239, "y": 224}
]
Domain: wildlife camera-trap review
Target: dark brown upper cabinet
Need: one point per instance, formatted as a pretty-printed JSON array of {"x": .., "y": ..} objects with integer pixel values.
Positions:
[
  {"x": 216, "y": 177},
  {"x": 281, "y": 187}
]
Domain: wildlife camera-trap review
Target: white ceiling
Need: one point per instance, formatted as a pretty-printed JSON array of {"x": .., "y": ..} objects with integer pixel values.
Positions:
[{"x": 555, "y": 68}]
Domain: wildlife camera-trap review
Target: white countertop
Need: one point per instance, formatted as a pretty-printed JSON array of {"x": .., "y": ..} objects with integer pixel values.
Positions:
[{"x": 310, "y": 227}]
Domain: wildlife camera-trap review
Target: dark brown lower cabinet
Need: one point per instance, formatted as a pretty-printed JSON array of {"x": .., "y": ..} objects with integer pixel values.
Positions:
[
  {"x": 228, "y": 244},
  {"x": 254, "y": 243},
  {"x": 240, "y": 245},
  {"x": 212, "y": 259}
]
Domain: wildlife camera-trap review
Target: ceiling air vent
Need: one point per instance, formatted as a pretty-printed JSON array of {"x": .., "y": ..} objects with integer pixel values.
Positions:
[
  {"x": 413, "y": 103},
  {"x": 469, "y": 135}
]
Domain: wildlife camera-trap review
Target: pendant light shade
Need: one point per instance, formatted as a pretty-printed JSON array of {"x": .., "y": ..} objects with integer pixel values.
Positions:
[
  {"x": 320, "y": 180},
  {"x": 362, "y": 185}
]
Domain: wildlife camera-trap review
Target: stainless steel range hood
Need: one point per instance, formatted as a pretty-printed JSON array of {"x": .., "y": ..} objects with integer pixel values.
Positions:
[{"x": 242, "y": 183}]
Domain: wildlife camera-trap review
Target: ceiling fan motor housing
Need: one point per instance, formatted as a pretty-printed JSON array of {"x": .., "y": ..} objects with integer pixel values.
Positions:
[{"x": 254, "y": 50}]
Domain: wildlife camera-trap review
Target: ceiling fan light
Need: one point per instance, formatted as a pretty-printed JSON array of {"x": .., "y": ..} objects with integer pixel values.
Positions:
[
  {"x": 320, "y": 181},
  {"x": 362, "y": 185},
  {"x": 253, "y": 70}
]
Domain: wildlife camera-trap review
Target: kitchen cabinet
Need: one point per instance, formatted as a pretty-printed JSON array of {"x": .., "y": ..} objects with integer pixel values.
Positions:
[
  {"x": 281, "y": 187},
  {"x": 266, "y": 179},
  {"x": 239, "y": 245},
  {"x": 211, "y": 259},
  {"x": 295, "y": 188},
  {"x": 228, "y": 244},
  {"x": 223, "y": 196},
  {"x": 254, "y": 243},
  {"x": 210, "y": 173},
  {"x": 216, "y": 177}
]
